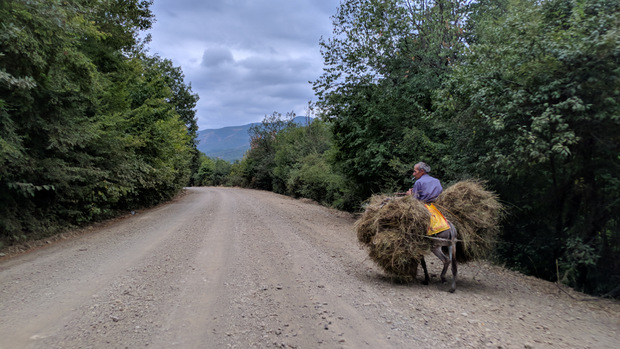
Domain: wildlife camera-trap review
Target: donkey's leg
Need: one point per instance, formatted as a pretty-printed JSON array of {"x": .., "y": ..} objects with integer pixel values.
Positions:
[
  {"x": 454, "y": 267},
  {"x": 426, "y": 278},
  {"x": 454, "y": 273},
  {"x": 436, "y": 249},
  {"x": 453, "y": 236}
]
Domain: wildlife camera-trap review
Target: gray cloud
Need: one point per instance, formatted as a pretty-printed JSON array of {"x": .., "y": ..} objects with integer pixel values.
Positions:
[
  {"x": 216, "y": 57},
  {"x": 245, "y": 58}
]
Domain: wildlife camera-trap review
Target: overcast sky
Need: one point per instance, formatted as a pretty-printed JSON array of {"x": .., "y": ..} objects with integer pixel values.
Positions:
[{"x": 244, "y": 58}]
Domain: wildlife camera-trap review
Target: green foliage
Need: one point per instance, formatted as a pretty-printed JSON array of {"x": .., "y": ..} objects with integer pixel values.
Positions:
[
  {"x": 293, "y": 160},
  {"x": 303, "y": 166},
  {"x": 380, "y": 72},
  {"x": 314, "y": 179},
  {"x": 89, "y": 125},
  {"x": 49, "y": 120},
  {"x": 260, "y": 159},
  {"x": 221, "y": 172},
  {"x": 121, "y": 22},
  {"x": 293, "y": 144},
  {"x": 534, "y": 108},
  {"x": 205, "y": 171},
  {"x": 213, "y": 172},
  {"x": 237, "y": 177},
  {"x": 576, "y": 256}
]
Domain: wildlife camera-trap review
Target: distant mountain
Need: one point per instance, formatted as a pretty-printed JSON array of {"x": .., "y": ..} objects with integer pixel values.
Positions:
[{"x": 230, "y": 143}]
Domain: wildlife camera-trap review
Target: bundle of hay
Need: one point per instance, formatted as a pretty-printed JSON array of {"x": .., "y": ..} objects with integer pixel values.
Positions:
[
  {"x": 390, "y": 227},
  {"x": 394, "y": 228},
  {"x": 476, "y": 213}
]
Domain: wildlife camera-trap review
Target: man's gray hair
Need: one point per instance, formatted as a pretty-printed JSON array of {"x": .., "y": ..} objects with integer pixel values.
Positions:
[{"x": 423, "y": 166}]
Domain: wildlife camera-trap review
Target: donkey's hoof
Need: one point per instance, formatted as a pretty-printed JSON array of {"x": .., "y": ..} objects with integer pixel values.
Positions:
[
  {"x": 452, "y": 290},
  {"x": 443, "y": 281},
  {"x": 425, "y": 282}
]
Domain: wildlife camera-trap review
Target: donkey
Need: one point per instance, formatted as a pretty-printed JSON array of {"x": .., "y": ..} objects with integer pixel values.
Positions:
[{"x": 445, "y": 238}]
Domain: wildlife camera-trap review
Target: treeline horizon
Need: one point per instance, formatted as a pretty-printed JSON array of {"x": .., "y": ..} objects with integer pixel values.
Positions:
[{"x": 521, "y": 94}]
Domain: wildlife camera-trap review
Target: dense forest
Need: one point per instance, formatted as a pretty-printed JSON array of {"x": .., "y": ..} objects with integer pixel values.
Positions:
[
  {"x": 90, "y": 124},
  {"x": 522, "y": 94}
]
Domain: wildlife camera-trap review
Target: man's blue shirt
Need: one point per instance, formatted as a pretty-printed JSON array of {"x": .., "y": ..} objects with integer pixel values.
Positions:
[{"x": 427, "y": 188}]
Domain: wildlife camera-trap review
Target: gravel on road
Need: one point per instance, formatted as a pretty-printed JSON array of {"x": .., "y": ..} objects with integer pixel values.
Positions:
[{"x": 240, "y": 268}]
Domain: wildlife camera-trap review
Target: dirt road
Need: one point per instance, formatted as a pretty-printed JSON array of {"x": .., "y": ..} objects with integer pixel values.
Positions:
[{"x": 234, "y": 268}]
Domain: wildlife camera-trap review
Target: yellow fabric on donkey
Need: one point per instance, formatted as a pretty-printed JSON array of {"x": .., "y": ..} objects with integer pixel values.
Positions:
[{"x": 438, "y": 221}]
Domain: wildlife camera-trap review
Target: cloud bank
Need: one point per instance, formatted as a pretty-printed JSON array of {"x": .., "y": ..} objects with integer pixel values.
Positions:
[{"x": 245, "y": 58}]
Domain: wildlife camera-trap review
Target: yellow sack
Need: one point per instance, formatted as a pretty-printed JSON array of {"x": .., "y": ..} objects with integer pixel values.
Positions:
[{"x": 438, "y": 221}]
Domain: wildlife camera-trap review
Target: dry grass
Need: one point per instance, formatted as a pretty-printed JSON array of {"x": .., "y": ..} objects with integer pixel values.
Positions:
[
  {"x": 476, "y": 213},
  {"x": 394, "y": 229}
]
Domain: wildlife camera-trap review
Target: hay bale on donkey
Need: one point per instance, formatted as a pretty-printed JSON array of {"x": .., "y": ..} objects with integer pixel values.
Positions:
[
  {"x": 393, "y": 229},
  {"x": 476, "y": 212},
  {"x": 390, "y": 228}
]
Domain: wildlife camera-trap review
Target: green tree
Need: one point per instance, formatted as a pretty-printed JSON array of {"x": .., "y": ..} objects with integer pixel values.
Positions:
[
  {"x": 89, "y": 124},
  {"x": 138, "y": 110},
  {"x": 213, "y": 172},
  {"x": 381, "y": 68},
  {"x": 221, "y": 172},
  {"x": 260, "y": 159},
  {"x": 48, "y": 94},
  {"x": 238, "y": 174},
  {"x": 121, "y": 21},
  {"x": 205, "y": 171},
  {"x": 162, "y": 145},
  {"x": 294, "y": 143},
  {"x": 303, "y": 166},
  {"x": 534, "y": 107}
]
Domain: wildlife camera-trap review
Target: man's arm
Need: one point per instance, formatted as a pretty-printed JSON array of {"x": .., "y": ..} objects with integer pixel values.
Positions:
[{"x": 416, "y": 191}]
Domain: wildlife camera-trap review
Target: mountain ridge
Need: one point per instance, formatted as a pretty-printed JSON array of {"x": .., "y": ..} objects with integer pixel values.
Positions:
[{"x": 230, "y": 143}]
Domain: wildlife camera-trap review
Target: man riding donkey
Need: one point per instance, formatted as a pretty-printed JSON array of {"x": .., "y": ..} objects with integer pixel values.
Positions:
[
  {"x": 425, "y": 188},
  {"x": 443, "y": 233}
]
